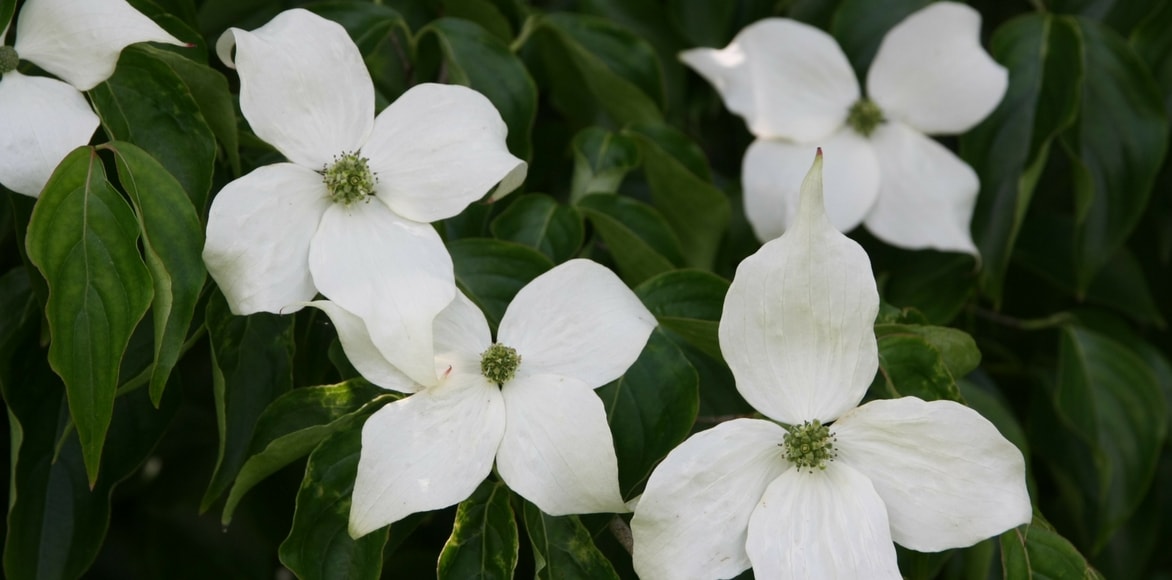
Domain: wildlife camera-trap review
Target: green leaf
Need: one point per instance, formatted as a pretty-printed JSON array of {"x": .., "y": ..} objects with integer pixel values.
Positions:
[
  {"x": 682, "y": 191},
  {"x": 291, "y": 426},
  {"x": 860, "y": 25},
  {"x": 1010, "y": 148},
  {"x": 703, "y": 22},
  {"x": 638, "y": 237},
  {"x": 924, "y": 361},
  {"x": 608, "y": 68},
  {"x": 252, "y": 366},
  {"x": 688, "y": 302},
  {"x": 938, "y": 284},
  {"x": 172, "y": 238},
  {"x": 319, "y": 545},
  {"x": 563, "y": 548},
  {"x": 540, "y": 222},
  {"x": 56, "y": 523},
  {"x": 1116, "y": 147},
  {"x": 476, "y": 58},
  {"x": 1111, "y": 399},
  {"x": 1152, "y": 43},
  {"x": 83, "y": 238},
  {"x": 601, "y": 160},
  {"x": 1037, "y": 551},
  {"x": 491, "y": 272},
  {"x": 651, "y": 408},
  {"x": 483, "y": 13},
  {"x": 484, "y": 540},
  {"x": 209, "y": 88},
  {"x": 7, "y": 9},
  {"x": 146, "y": 103}
]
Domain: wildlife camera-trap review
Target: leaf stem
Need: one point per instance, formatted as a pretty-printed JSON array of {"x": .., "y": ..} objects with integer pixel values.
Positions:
[{"x": 1054, "y": 320}]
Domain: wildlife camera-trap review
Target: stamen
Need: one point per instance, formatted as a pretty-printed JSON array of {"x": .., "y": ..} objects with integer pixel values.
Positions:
[
  {"x": 8, "y": 59},
  {"x": 810, "y": 446},
  {"x": 864, "y": 117},
  {"x": 499, "y": 363},
  {"x": 349, "y": 179}
]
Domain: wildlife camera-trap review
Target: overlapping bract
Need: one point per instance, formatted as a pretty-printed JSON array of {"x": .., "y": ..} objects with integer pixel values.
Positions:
[
  {"x": 795, "y": 88},
  {"x": 797, "y": 332},
  {"x": 275, "y": 239},
  {"x": 43, "y": 119}
]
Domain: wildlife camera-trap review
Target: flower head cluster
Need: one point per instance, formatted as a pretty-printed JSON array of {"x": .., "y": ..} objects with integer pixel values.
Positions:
[
  {"x": 824, "y": 491},
  {"x": 795, "y": 88},
  {"x": 348, "y": 216},
  {"x": 524, "y": 402},
  {"x": 43, "y": 119}
]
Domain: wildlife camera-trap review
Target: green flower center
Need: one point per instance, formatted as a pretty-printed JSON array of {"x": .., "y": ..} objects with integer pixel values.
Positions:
[
  {"x": 8, "y": 59},
  {"x": 499, "y": 363},
  {"x": 864, "y": 117},
  {"x": 349, "y": 179},
  {"x": 809, "y": 446}
]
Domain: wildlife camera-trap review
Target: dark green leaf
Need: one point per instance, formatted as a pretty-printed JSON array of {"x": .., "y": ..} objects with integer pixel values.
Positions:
[
  {"x": 291, "y": 426},
  {"x": 482, "y": 12},
  {"x": 56, "y": 523},
  {"x": 682, "y": 190},
  {"x": 860, "y": 25},
  {"x": 209, "y": 88},
  {"x": 1009, "y": 149},
  {"x": 651, "y": 408},
  {"x": 491, "y": 272},
  {"x": 172, "y": 237},
  {"x": 7, "y": 9},
  {"x": 146, "y": 103},
  {"x": 252, "y": 357},
  {"x": 638, "y": 237},
  {"x": 478, "y": 59},
  {"x": 601, "y": 160},
  {"x": 1116, "y": 147},
  {"x": 484, "y": 540},
  {"x": 319, "y": 545},
  {"x": 608, "y": 68},
  {"x": 1037, "y": 551},
  {"x": 563, "y": 548},
  {"x": 703, "y": 22},
  {"x": 1152, "y": 43},
  {"x": 1110, "y": 398},
  {"x": 938, "y": 284},
  {"x": 83, "y": 238},
  {"x": 688, "y": 302},
  {"x": 540, "y": 222},
  {"x": 924, "y": 361}
]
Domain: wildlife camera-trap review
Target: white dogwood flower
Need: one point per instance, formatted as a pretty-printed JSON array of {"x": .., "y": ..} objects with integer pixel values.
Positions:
[
  {"x": 525, "y": 402},
  {"x": 43, "y": 119},
  {"x": 823, "y": 491},
  {"x": 348, "y": 216},
  {"x": 795, "y": 88}
]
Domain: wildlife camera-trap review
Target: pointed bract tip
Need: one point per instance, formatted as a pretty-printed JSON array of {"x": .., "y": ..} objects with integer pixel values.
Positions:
[
  {"x": 810, "y": 204},
  {"x": 819, "y": 153}
]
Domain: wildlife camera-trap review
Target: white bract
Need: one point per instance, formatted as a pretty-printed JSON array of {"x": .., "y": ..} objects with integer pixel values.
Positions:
[
  {"x": 348, "y": 216},
  {"x": 43, "y": 119},
  {"x": 795, "y": 88},
  {"x": 525, "y": 401},
  {"x": 825, "y": 497}
]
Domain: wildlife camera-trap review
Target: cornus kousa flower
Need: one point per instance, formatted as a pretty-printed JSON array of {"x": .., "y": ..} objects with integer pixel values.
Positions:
[
  {"x": 348, "y": 216},
  {"x": 795, "y": 88},
  {"x": 525, "y": 401},
  {"x": 822, "y": 489},
  {"x": 43, "y": 119}
]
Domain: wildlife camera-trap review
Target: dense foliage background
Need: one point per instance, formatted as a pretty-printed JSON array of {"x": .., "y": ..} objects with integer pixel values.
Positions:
[{"x": 225, "y": 456}]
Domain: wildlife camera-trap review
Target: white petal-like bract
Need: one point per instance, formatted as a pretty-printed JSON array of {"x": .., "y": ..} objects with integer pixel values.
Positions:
[
  {"x": 577, "y": 320},
  {"x": 80, "y": 40},
  {"x": 361, "y": 352},
  {"x": 932, "y": 73},
  {"x": 41, "y": 121},
  {"x": 797, "y": 328},
  {"x": 259, "y": 232},
  {"x": 438, "y": 148},
  {"x": 427, "y": 451},
  {"x": 557, "y": 451},
  {"x": 693, "y": 518},
  {"x": 926, "y": 193},
  {"x": 948, "y": 477},
  {"x": 394, "y": 274},
  {"x": 825, "y": 524},
  {"x": 303, "y": 86},
  {"x": 772, "y": 173},
  {"x": 787, "y": 79}
]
